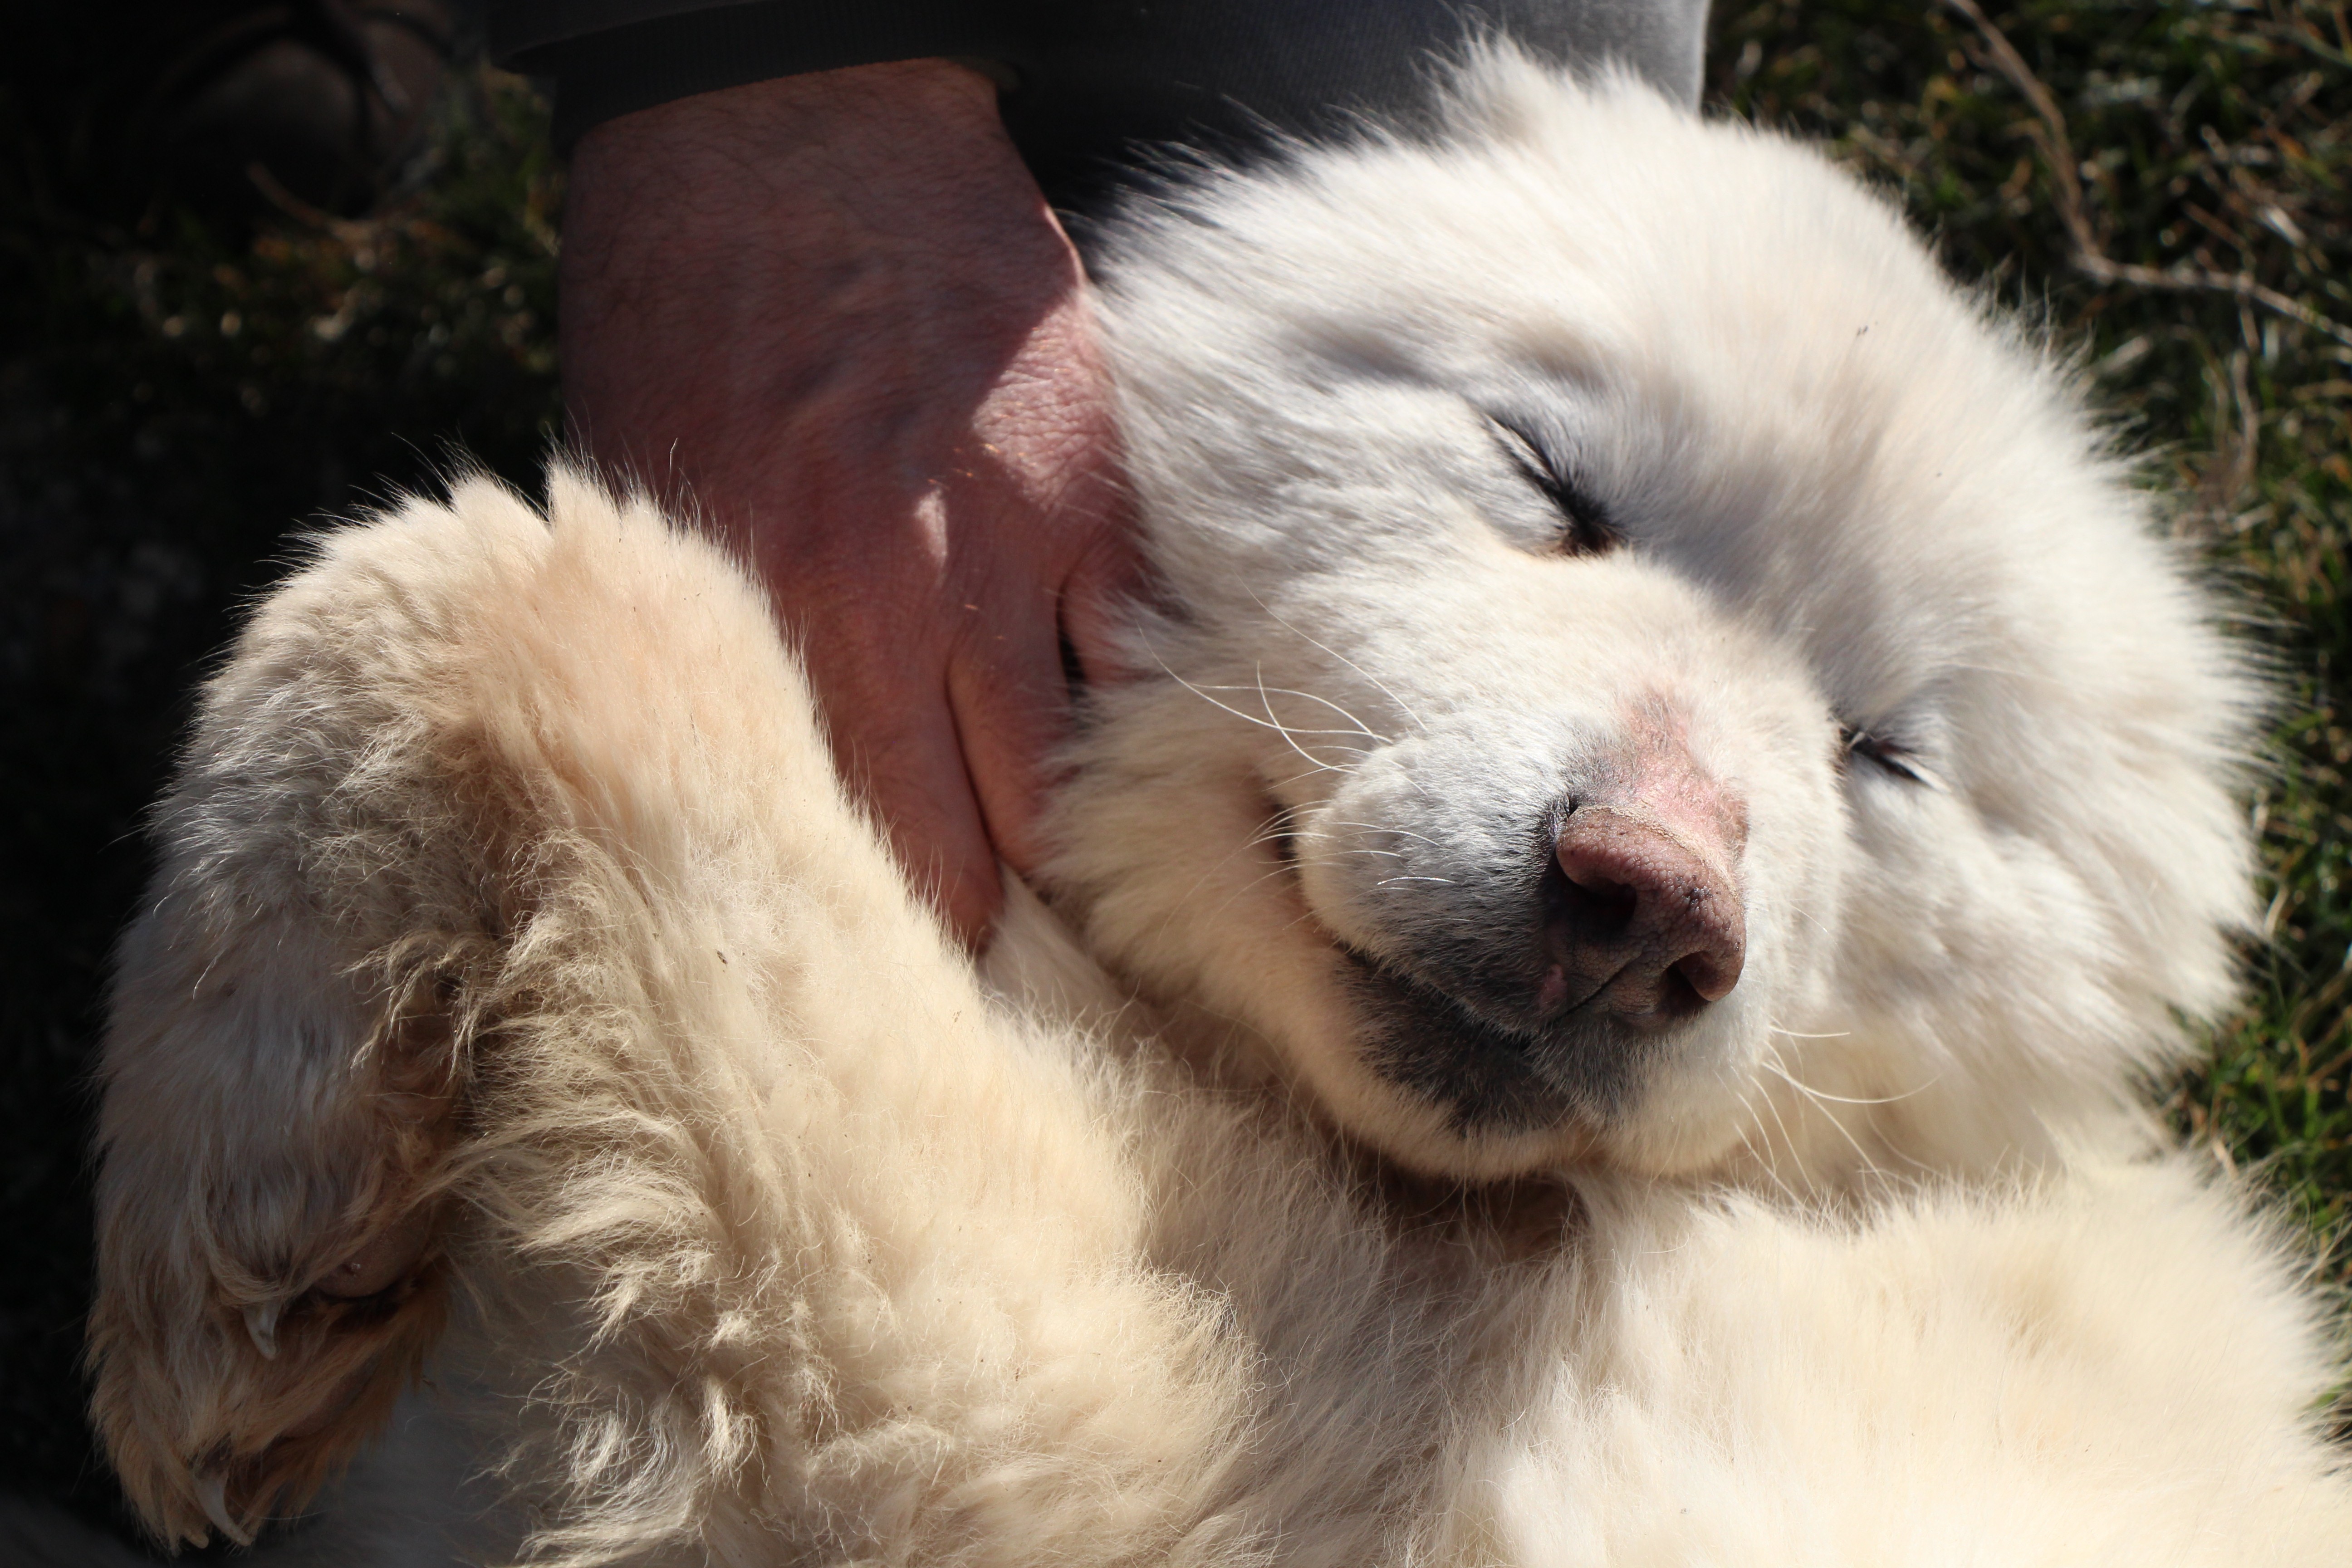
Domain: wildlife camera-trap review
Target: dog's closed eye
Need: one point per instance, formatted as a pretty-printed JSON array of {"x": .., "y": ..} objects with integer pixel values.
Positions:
[
  {"x": 1886, "y": 755},
  {"x": 1589, "y": 531}
]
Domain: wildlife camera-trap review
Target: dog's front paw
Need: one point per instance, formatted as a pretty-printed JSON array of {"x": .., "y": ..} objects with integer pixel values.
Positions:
[
  {"x": 269, "y": 1268},
  {"x": 448, "y": 886},
  {"x": 289, "y": 1053}
]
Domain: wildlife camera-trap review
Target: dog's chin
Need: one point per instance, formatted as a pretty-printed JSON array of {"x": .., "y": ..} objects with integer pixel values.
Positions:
[
  {"x": 1496, "y": 1077},
  {"x": 1415, "y": 1074},
  {"x": 1430, "y": 1081},
  {"x": 1422, "y": 1082},
  {"x": 1402, "y": 1128},
  {"x": 1398, "y": 1069}
]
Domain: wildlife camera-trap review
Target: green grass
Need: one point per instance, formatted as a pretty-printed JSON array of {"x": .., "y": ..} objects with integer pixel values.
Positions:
[{"x": 171, "y": 402}]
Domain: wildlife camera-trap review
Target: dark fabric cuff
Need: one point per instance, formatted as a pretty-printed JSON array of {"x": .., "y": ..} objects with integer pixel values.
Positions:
[
  {"x": 1094, "y": 84},
  {"x": 602, "y": 74}
]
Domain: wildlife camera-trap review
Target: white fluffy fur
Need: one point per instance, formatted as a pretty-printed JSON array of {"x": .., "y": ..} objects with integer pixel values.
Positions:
[{"x": 513, "y": 936}]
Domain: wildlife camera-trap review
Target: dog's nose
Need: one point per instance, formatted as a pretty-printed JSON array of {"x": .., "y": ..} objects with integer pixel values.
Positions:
[{"x": 1643, "y": 918}]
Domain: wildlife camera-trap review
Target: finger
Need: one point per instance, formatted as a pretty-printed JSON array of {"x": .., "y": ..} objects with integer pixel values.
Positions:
[
  {"x": 1099, "y": 604},
  {"x": 898, "y": 751},
  {"x": 1012, "y": 708}
]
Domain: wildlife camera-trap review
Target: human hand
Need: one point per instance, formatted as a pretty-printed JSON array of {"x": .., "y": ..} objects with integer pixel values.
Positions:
[{"x": 834, "y": 314}]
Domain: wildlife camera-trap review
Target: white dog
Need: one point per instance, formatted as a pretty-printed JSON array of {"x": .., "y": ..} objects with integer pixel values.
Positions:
[{"x": 1588, "y": 1010}]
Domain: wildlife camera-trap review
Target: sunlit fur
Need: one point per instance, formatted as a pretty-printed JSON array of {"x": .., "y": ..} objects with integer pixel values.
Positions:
[
  {"x": 1848, "y": 495},
  {"x": 512, "y": 933}
]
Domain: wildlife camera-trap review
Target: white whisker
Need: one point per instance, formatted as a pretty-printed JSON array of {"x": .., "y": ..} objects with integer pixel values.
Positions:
[
  {"x": 1404, "y": 707},
  {"x": 1360, "y": 727},
  {"x": 1770, "y": 1061},
  {"x": 1776, "y": 1063},
  {"x": 1267, "y": 723},
  {"x": 1289, "y": 738},
  {"x": 1388, "y": 827},
  {"x": 1789, "y": 1140},
  {"x": 1763, "y": 1157}
]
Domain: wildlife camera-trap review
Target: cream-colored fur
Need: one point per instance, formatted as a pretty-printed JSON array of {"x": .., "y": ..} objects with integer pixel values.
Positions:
[{"x": 516, "y": 957}]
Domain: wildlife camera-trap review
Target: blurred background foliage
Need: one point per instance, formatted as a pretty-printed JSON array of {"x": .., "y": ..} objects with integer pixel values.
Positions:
[
  {"x": 179, "y": 398},
  {"x": 2164, "y": 185}
]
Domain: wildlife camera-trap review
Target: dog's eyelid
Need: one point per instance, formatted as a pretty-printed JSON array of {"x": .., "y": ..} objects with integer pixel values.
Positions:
[
  {"x": 1589, "y": 530},
  {"x": 1889, "y": 756}
]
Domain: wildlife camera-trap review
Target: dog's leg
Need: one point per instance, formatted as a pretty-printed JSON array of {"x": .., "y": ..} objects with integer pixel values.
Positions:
[{"x": 512, "y": 930}]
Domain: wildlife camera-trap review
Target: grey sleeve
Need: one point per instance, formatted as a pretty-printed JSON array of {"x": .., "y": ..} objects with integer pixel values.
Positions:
[{"x": 1088, "y": 82}]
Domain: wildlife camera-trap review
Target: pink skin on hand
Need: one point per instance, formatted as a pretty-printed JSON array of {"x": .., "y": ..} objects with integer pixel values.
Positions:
[{"x": 834, "y": 315}]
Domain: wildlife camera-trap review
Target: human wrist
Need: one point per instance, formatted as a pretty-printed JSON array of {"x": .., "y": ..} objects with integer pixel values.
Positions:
[
  {"x": 917, "y": 132},
  {"x": 779, "y": 220}
]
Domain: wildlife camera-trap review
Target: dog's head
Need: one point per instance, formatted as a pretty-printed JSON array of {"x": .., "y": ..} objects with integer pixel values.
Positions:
[{"x": 1649, "y": 669}]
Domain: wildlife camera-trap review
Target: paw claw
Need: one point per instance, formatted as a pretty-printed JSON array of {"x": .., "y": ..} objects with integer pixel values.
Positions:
[
  {"x": 211, "y": 1492},
  {"x": 261, "y": 1327}
]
